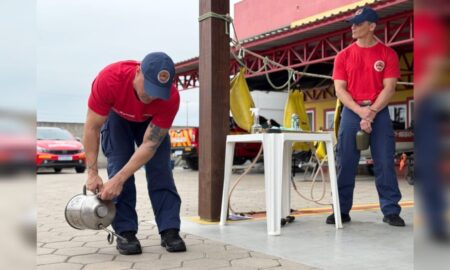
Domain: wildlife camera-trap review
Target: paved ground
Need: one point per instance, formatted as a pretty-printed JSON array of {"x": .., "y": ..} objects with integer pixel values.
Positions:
[{"x": 61, "y": 247}]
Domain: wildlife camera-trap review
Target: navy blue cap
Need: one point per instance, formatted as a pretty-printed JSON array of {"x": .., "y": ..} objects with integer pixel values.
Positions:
[
  {"x": 159, "y": 71},
  {"x": 364, "y": 14}
]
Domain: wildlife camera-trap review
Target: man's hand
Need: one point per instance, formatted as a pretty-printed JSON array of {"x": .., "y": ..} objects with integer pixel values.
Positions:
[
  {"x": 367, "y": 114},
  {"x": 111, "y": 190},
  {"x": 94, "y": 182},
  {"x": 366, "y": 126}
]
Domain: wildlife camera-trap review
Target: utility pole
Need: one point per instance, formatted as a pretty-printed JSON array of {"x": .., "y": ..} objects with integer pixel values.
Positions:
[{"x": 214, "y": 65}]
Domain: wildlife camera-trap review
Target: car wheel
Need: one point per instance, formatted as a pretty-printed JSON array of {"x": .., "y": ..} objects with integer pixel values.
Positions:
[
  {"x": 192, "y": 163},
  {"x": 57, "y": 170},
  {"x": 80, "y": 169},
  {"x": 239, "y": 161}
]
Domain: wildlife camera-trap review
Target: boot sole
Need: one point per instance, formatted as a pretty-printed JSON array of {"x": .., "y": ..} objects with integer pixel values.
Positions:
[
  {"x": 395, "y": 225},
  {"x": 127, "y": 252},
  {"x": 343, "y": 221},
  {"x": 180, "y": 248}
]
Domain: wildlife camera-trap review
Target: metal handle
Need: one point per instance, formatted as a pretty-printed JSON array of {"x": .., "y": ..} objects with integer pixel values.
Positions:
[
  {"x": 85, "y": 190},
  {"x": 111, "y": 235}
]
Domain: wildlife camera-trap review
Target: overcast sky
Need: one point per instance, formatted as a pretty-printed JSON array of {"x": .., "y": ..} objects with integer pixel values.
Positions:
[{"x": 61, "y": 45}]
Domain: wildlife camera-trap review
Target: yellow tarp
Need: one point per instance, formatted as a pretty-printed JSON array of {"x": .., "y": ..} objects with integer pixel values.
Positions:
[
  {"x": 321, "y": 151},
  {"x": 295, "y": 104},
  {"x": 241, "y": 101}
]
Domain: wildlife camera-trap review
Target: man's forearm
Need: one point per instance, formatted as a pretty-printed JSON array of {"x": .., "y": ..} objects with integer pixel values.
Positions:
[
  {"x": 347, "y": 100},
  {"x": 383, "y": 99},
  {"x": 91, "y": 146}
]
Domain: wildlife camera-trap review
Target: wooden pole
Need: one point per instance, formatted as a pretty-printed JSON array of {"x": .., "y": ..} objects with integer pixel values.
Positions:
[{"x": 214, "y": 65}]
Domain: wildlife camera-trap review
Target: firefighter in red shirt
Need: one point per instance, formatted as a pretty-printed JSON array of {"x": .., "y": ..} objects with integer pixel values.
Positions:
[
  {"x": 134, "y": 103},
  {"x": 365, "y": 76}
]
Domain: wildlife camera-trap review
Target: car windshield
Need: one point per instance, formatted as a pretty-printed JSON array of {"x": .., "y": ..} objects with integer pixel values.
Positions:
[{"x": 53, "y": 134}]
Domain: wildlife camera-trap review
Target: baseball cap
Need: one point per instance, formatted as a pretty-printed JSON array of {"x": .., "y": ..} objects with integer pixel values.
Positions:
[
  {"x": 159, "y": 71},
  {"x": 364, "y": 14}
]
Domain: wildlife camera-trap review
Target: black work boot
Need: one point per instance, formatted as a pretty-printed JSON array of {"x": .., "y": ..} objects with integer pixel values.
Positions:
[
  {"x": 344, "y": 218},
  {"x": 171, "y": 240},
  {"x": 131, "y": 246},
  {"x": 394, "y": 220}
]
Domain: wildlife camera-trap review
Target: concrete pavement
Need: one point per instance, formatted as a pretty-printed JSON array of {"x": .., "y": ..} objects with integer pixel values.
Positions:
[{"x": 62, "y": 247}]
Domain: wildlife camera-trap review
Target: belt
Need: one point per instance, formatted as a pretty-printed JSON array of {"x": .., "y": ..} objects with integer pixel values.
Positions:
[{"x": 364, "y": 102}]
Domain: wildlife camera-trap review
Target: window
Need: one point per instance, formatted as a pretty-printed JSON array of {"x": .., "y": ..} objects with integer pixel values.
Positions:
[
  {"x": 311, "y": 119},
  {"x": 329, "y": 120},
  {"x": 397, "y": 113}
]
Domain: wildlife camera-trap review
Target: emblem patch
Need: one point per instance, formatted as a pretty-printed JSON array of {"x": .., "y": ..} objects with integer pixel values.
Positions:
[
  {"x": 163, "y": 76},
  {"x": 379, "y": 66},
  {"x": 359, "y": 11}
]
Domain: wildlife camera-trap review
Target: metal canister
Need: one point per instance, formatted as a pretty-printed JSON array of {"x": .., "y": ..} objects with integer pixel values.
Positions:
[
  {"x": 89, "y": 212},
  {"x": 362, "y": 140},
  {"x": 295, "y": 121}
]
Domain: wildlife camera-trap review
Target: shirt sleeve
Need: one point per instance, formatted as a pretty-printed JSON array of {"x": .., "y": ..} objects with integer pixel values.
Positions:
[
  {"x": 101, "y": 98},
  {"x": 392, "y": 69},
  {"x": 165, "y": 116},
  {"x": 339, "y": 69}
]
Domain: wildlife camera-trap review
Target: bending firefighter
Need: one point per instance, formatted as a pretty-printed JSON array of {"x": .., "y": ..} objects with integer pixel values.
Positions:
[
  {"x": 365, "y": 76},
  {"x": 134, "y": 103}
]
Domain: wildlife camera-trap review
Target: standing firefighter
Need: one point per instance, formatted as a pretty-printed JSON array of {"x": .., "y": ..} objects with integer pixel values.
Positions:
[
  {"x": 135, "y": 103},
  {"x": 365, "y": 75}
]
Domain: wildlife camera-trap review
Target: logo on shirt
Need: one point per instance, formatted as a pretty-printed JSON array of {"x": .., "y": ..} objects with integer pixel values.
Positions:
[
  {"x": 379, "y": 66},
  {"x": 163, "y": 76}
]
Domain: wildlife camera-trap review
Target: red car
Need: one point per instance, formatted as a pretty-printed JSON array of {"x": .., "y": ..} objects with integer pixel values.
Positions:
[
  {"x": 57, "y": 148},
  {"x": 16, "y": 146}
]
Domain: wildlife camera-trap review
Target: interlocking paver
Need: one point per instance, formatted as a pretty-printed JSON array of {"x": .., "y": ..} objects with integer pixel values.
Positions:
[
  {"x": 43, "y": 251},
  {"x": 64, "y": 244},
  {"x": 115, "y": 265},
  {"x": 157, "y": 265},
  {"x": 183, "y": 256},
  {"x": 288, "y": 265},
  {"x": 227, "y": 255},
  {"x": 144, "y": 257},
  {"x": 91, "y": 258},
  {"x": 56, "y": 237},
  {"x": 75, "y": 251},
  {"x": 255, "y": 262},
  {"x": 203, "y": 264},
  {"x": 237, "y": 268},
  {"x": 50, "y": 258},
  {"x": 60, "y": 266},
  {"x": 99, "y": 244}
]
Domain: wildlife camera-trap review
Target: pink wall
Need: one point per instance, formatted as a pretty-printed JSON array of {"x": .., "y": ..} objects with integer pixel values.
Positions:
[{"x": 253, "y": 17}]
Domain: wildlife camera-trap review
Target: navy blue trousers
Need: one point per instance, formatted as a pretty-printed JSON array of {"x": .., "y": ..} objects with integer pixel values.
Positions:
[
  {"x": 382, "y": 147},
  {"x": 428, "y": 154},
  {"x": 118, "y": 139}
]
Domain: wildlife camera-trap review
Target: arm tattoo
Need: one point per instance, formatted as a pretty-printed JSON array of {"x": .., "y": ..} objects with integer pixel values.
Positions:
[{"x": 156, "y": 135}]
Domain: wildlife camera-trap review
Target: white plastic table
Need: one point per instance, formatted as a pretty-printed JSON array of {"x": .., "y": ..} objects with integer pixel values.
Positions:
[{"x": 277, "y": 170}]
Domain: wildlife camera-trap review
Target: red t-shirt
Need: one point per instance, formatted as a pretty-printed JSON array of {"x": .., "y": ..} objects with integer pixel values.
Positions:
[
  {"x": 113, "y": 89},
  {"x": 365, "y": 68},
  {"x": 430, "y": 41}
]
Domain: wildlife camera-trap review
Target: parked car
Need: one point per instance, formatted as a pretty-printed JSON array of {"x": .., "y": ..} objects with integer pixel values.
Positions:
[
  {"x": 16, "y": 146},
  {"x": 57, "y": 148}
]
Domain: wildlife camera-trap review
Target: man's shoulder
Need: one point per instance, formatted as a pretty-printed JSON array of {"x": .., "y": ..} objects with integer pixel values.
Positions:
[
  {"x": 120, "y": 66},
  {"x": 174, "y": 95},
  {"x": 346, "y": 50}
]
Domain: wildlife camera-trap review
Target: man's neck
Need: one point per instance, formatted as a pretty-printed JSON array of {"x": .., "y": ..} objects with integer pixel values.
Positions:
[{"x": 367, "y": 42}]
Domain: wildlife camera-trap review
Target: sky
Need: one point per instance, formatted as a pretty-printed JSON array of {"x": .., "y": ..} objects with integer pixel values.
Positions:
[{"x": 57, "y": 47}]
